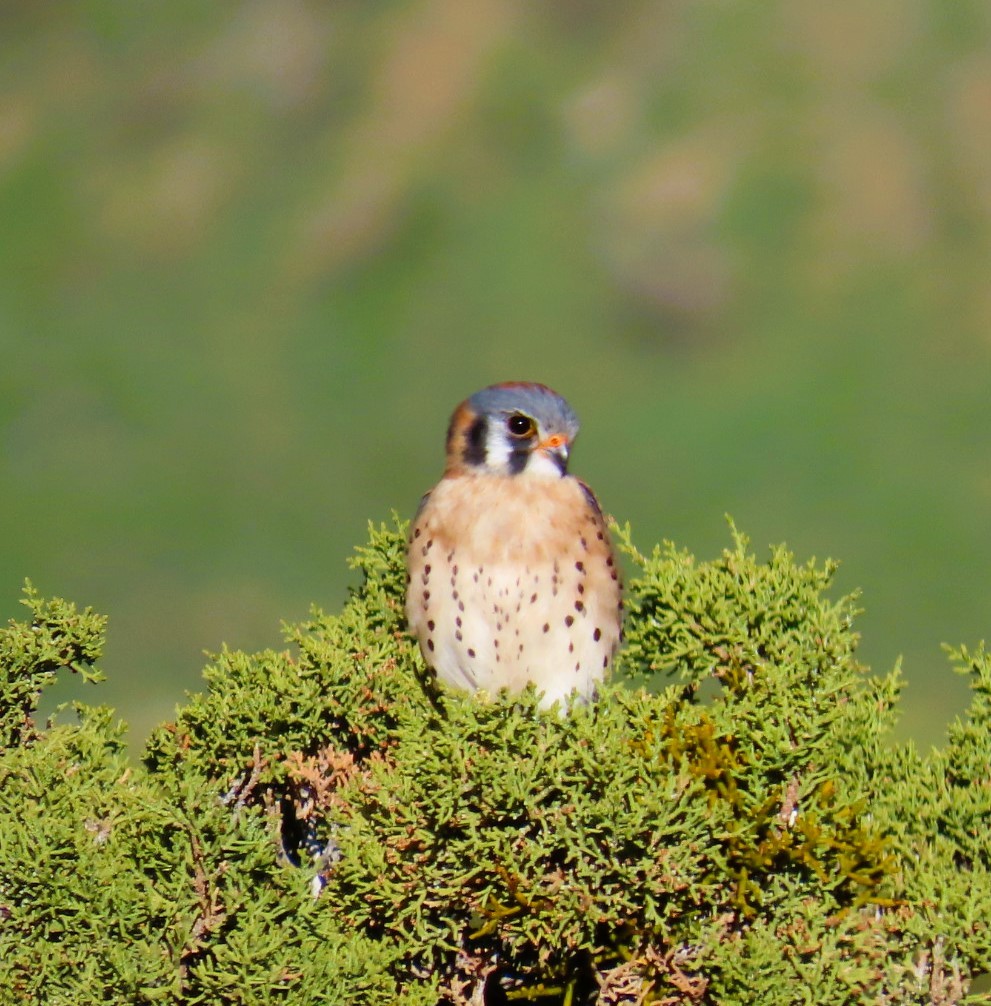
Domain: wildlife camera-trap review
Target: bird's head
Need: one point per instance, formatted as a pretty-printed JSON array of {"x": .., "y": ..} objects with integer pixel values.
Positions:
[{"x": 511, "y": 429}]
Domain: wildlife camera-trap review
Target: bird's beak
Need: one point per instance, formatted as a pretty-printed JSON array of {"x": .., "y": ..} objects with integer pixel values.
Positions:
[{"x": 557, "y": 447}]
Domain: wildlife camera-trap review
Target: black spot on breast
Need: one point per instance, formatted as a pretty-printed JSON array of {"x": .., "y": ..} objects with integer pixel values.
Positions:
[
  {"x": 580, "y": 566},
  {"x": 430, "y": 645},
  {"x": 569, "y": 621},
  {"x": 579, "y": 606},
  {"x": 547, "y": 627},
  {"x": 597, "y": 635},
  {"x": 430, "y": 626},
  {"x": 471, "y": 652}
]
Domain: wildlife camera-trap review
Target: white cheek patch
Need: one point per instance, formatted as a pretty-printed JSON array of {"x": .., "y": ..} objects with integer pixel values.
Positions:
[
  {"x": 500, "y": 449},
  {"x": 542, "y": 464},
  {"x": 497, "y": 452}
]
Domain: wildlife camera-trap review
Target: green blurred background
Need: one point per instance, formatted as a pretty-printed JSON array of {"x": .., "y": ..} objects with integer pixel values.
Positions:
[{"x": 252, "y": 254}]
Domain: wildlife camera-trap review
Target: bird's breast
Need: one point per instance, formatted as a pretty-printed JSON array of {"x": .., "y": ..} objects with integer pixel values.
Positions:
[
  {"x": 513, "y": 580},
  {"x": 507, "y": 517}
]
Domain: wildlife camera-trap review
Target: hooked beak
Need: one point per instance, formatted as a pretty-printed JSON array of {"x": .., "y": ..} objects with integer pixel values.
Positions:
[{"x": 556, "y": 447}]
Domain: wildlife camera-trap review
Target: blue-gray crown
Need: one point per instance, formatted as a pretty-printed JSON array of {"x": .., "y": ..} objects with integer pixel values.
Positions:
[{"x": 537, "y": 401}]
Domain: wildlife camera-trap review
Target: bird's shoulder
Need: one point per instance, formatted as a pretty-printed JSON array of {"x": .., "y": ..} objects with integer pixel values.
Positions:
[{"x": 591, "y": 499}]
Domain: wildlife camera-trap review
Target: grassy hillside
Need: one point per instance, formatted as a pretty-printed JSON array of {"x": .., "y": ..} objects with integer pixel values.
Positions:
[{"x": 253, "y": 255}]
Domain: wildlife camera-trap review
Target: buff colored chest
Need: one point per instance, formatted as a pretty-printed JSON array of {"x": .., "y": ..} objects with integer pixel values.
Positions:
[{"x": 513, "y": 580}]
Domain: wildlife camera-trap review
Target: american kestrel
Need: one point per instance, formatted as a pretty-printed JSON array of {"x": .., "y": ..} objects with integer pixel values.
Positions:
[{"x": 512, "y": 576}]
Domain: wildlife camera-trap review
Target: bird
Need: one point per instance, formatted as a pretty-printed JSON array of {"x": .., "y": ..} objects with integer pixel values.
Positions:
[{"x": 511, "y": 574}]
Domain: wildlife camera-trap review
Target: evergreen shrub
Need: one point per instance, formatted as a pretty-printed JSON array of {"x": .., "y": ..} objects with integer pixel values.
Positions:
[{"x": 322, "y": 824}]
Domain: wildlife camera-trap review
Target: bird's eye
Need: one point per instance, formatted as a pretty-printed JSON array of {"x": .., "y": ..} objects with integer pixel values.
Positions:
[{"x": 520, "y": 426}]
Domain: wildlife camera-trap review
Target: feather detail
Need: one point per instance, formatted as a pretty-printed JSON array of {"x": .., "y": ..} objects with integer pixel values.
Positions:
[{"x": 513, "y": 580}]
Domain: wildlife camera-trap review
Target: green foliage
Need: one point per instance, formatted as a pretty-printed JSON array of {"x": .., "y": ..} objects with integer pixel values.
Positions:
[
  {"x": 324, "y": 824},
  {"x": 32, "y": 653}
]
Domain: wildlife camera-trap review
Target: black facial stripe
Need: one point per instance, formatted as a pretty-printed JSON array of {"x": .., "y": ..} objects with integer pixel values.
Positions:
[
  {"x": 518, "y": 460},
  {"x": 474, "y": 450},
  {"x": 560, "y": 462}
]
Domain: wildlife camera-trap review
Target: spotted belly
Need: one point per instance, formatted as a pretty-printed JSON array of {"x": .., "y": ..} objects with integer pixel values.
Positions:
[{"x": 486, "y": 625}]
